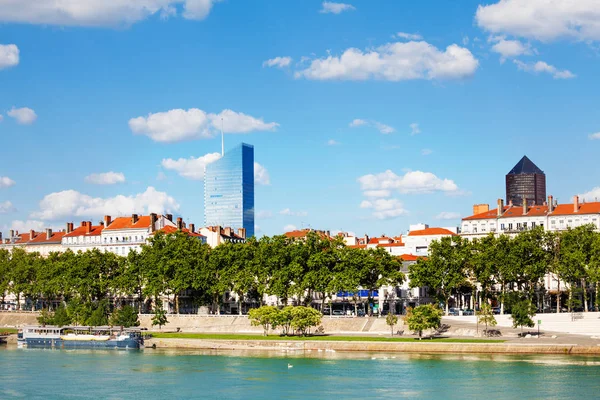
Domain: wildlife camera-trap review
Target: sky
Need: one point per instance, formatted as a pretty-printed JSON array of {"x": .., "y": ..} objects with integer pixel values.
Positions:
[{"x": 365, "y": 116}]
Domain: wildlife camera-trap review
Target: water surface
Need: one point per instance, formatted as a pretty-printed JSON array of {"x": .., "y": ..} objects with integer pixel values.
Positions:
[{"x": 171, "y": 374}]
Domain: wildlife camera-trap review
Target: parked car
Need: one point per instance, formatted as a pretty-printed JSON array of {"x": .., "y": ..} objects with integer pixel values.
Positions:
[
  {"x": 468, "y": 311},
  {"x": 454, "y": 312},
  {"x": 496, "y": 310},
  {"x": 337, "y": 312},
  {"x": 360, "y": 313}
]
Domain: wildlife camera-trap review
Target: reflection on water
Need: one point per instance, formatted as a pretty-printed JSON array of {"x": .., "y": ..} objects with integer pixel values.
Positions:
[{"x": 258, "y": 374}]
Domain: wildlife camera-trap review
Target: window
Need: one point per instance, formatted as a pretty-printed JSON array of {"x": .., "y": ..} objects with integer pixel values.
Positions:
[
  {"x": 524, "y": 225},
  {"x": 553, "y": 222},
  {"x": 510, "y": 227},
  {"x": 502, "y": 227},
  {"x": 518, "y": 225},
  {"x": 474, "y": 229},
  {"x": 532, "y": 225}
]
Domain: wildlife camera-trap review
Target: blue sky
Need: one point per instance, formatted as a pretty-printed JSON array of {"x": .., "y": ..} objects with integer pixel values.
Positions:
[{"x": 445, "y": 96}]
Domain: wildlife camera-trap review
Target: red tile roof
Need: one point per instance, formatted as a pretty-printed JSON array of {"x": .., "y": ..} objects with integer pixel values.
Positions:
[
  {"x": 24, "y": 238},
  {"x": 539, "y": 211},
  {"x": 171, "y": 229},
  {"x": 390, "y": 245},
  {"x": 41, "y": 238},
  {"x": 82, "y": 231},
  {"x": 584, "y": 208},
  {"x": 410, "y": 257},
  {"x": 126, "y": 223},
  {"x": 380, "y": 239},
  {"x": 358, "y": 246},
  {"x": 517, "y": 211},
  {"x": 431, "y": 231}
]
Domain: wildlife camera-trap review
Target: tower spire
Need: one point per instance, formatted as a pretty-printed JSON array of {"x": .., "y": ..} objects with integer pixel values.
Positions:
[{"x": 222, "y": 139}]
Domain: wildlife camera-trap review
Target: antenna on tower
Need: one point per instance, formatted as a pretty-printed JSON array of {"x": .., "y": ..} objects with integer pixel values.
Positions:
[{"x": 222, "y": 139}]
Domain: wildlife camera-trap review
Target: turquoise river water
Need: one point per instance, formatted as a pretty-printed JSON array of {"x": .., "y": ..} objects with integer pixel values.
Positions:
[{"x": 170, "y": 374}]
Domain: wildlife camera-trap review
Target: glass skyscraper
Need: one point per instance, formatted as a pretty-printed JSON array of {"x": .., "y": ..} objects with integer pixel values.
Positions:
[{"x": 229, "y": 190}]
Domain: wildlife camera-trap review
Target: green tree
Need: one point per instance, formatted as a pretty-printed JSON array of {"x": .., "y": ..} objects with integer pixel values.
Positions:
[
  {"x": 378, "y": 268},
  {"x": 265, "y": 316},
  {"x": 391, "y": 320},
  {"x": 423, "y": 317},
  {"x": 284, "y": 319},
  {"x": 485, "y": 315},
  {"x": 125, "y": 316},
  {"x": 61, "y": 317},
  {"x": 522, "y": 312},
  {"x": 99, "y": 316},
  {"x": 593, "y": 270},
  {"x": 160, "y": 315},
  {"x": 304, "y": 318},
  {"x": 575, "y": 257},
  {"x": 4, "y": 273}
]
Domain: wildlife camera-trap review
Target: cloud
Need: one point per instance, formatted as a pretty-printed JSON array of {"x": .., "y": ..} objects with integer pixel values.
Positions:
[
  {"x": 541, "y": 66},
  {"x": 98, "y": 13},
  {"x": 178, "y": 125},
  {"x": 542, "y": 19},
  {"x": 330, "y": 7},
  {"x": 332, "y": 142},
  {"x": 426, "y": 152},
  {"x": 279, "y": 62},
  {"x": 264, "y": 214},
  {"x": 448, "y": 215},
  {"x": 24, "y": 115},
  {"x": 261, "y": 175},
  {"x": 509, "y": 48},
  {"x": 26, "y": 226},
  {"x": 287, "y": 211},
  {"x": 413, "y": 182},
  {"x": 7, "y": 207},
  {"x": 397, "y": 61},
  {"x": 594, "y": 136},
  {"x": 377, "y": 193},
  {"x": 592, "y": 195},
  {"x": 408, "y": 36},
  {"x": 105, "y": 178},
  {"x": 414, "y": 129},
  {"x": 381, "y": 127},
  {"x": 6, "y": 182},
  {"x": 385, "y": 208},
  {"x": 289, "y": 228},
  {"x": 191, "y": 168},
  {"x": 9, "y": 55},
  {"x": 70, "y": 203}
]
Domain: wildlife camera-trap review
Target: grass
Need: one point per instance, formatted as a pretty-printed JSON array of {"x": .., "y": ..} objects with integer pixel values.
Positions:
[
  {"x": 219, "y": 336},
  {"x": 8, "y": 331}
]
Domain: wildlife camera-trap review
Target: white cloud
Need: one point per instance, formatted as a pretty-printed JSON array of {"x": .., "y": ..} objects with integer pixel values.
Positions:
[
  {"x": 332, "y": 142},
  {"x": 26, "y": 226},
  {"x": 544, "y": 20},
  {"x": 6, "y": 182},
  {"x": 264, "y": 214},
  {"x": 448, "y": 215},
  {"x": 279, "y": 62},
  {"x": 414, "y": 129},
  {"x": 383, "y": 128},
  {"x": 408, "y": 36},
  {"x": 7, "y": 207},
  {"x": 509, "y": 48},
  {"x": 191, "y": 168},
  {"x": 592, "y": 195},
  {"x": 161, "y": 176},
  {"x": 98, "y": 12},
  {"x": 178, "y": 125},
  {"x": 70, "y": 203},
  {"x": 261, "y": 175},
  {"x": 24, "y": 115},
  {"x": 394, "y": 62},
  {"x": 385, "y": 208},
  {"x": 9, "y": 55},
  {"x": 426, "y": 152},
  {"x": 357, "y": 122},
  {"x": 594, "y": 136},
  {"x": 413, "y": 182},
  {"x": 377, "y": 193},
  {"x": 330, "y": 7},
  {"x": 105, "y": 178},
  {"x": 465, "y": 40},
  {"x": 289, "y": 228},
  {"x": 287, "y": 211},
  {"x": 541, "y": 66}
]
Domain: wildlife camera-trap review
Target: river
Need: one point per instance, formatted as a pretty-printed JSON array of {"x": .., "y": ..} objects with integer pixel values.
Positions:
[{"x": 173, "y": 374}]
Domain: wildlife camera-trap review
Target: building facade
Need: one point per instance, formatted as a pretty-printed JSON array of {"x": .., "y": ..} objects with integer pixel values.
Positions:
[
  {"x": 229, "y": 190},
  {"x": 525, "y": 181}
]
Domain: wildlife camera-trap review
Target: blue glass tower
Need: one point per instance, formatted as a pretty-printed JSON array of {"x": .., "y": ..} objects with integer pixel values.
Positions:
[{"x": 229, "y": 190}]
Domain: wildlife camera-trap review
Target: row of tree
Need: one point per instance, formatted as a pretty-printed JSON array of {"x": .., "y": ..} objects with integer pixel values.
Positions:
[
  {"x": 182, "y": 267},
  {"x": 509, "y": 270}
]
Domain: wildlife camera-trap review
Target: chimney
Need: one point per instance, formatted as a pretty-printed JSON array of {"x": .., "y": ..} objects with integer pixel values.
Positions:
[
  {"x": 69, "y": 230},
  {"x": 228, "y": 231},
  {"x": 12, "y": 234},
  {"x": 134, "y": 219},
  {"x": 500, "y": 207},
  {"x": 48, "y": 233},
  {"x": 550, "y": 204},
  {"x": 153, "y": 218},
  {"x": 575, "y": 203},
  {"x": 88, "y": 227},
  {"x": 510, "y": 204},
  {"x": 524, "y": 205},
  {"x": 107, "y": 220},
  {"x": 83, "y": 223},
  {"x": 192, "y": 228},
  {"x": 179, "y": 223},
  {"x": 169, "y": 217},
  {"x": 101, "y": 223},
  {"x": 31, "y": 234},
  {"x": 242, "y": 233}
]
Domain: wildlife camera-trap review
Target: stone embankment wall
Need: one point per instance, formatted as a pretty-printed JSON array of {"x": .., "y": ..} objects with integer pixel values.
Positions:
[{"x": 11, "y": 319}]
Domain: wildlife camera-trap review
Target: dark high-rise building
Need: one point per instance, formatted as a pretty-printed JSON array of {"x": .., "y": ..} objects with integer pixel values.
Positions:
[{"x": 527, "y": 181}]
